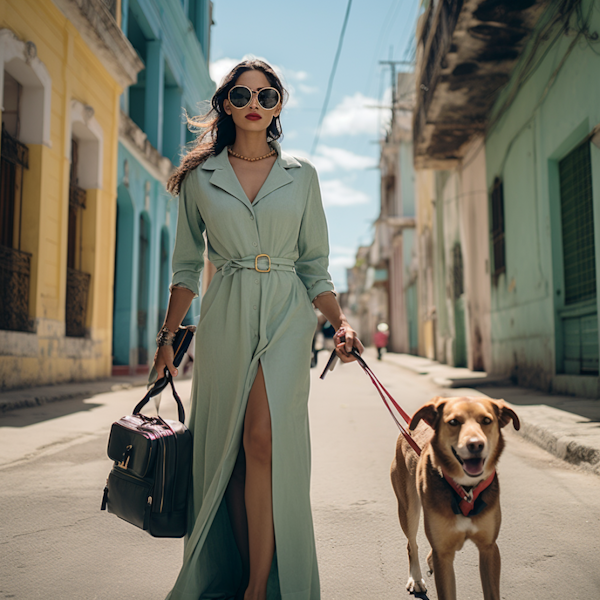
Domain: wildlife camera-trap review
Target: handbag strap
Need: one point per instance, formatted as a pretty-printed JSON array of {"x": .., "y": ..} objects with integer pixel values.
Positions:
[
  {"x": 385, "y": 396},
  {"x": 156, "y": 389}
]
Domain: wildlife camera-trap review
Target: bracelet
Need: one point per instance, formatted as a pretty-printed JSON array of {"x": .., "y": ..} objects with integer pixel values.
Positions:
[{"x": 165, "y": 337}]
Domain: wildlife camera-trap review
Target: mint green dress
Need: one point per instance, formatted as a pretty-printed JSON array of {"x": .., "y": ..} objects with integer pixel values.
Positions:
[{"x": 249, "y": 316}]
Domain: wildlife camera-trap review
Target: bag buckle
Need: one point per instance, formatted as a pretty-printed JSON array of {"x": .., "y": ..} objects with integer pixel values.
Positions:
[
  {"x": 256, "y": 263},
  {"x": 123, "y": 464}
]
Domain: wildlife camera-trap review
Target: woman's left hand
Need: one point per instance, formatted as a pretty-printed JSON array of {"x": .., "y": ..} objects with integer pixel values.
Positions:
[{"x": 345, "y": 339}]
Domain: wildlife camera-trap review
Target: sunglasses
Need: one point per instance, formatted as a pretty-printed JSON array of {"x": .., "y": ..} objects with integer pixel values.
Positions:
[{"x": 240, "y": 96}]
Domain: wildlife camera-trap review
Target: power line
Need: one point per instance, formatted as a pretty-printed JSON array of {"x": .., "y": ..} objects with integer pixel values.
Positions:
[{"x": 331, "y": 77}]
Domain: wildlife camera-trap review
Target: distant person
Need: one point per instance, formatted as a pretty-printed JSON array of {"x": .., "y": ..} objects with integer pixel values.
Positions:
[
  {"x": 380, "y": 338},
  {"x": 263, "y": 217}
]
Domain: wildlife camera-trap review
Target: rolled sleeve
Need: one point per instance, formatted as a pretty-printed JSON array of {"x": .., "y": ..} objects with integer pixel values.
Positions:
[
  {"x": 313, "y": 245},
  {"x": 188, "y": 254}
]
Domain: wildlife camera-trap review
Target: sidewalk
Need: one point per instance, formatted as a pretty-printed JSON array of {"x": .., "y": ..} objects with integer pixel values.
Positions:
[
  {"x": 565, "y": 426},
  {"x": 36, "y": 396}
]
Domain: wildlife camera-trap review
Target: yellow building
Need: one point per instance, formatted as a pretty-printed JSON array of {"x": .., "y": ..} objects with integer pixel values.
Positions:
[{"x": 63, "y": 67}]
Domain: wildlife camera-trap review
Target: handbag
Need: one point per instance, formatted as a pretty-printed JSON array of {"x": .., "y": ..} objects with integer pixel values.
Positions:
[{"x": 148, "y": 483}]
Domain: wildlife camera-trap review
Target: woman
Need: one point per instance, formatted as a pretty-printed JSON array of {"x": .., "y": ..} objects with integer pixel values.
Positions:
[{"x": 250, "y": 529}]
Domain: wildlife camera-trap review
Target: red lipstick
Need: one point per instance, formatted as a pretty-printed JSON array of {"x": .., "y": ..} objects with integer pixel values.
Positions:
[{"x": 253, "y": 117}]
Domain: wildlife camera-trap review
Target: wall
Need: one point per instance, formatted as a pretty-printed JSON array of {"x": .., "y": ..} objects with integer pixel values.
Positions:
[
  {"x": 46, "y": 355},
  {"x": 474, "y": 234},
  {"x": 551, "y": 114}
]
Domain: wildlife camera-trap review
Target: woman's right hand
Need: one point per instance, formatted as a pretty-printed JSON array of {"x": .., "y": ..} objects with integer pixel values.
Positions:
[{"x": 164, "y": 358}]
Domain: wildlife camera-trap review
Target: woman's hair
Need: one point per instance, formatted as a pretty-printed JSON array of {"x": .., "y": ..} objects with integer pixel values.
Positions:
[{"x": 216, "y": 129}]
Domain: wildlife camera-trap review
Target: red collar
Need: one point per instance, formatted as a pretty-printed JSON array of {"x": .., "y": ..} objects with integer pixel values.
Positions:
[{"x": 467, "y": 499}]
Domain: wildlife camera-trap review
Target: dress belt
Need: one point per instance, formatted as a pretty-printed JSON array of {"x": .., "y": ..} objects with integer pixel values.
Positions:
[{"x": 262, "y": 263}]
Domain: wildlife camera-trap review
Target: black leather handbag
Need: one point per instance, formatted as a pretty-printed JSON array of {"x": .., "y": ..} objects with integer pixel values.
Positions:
[{"x": 148, "y": 483}]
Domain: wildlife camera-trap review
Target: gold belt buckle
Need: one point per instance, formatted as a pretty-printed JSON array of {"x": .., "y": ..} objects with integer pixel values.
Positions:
[{"x": 256, "y": 263}]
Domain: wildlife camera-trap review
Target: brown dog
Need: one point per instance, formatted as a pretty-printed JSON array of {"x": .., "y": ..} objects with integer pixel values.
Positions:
[{"x": 455, "y": 481}]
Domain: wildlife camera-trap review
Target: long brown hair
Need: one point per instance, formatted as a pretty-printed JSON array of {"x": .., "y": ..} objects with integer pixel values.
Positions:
[{"x": 216, "y": 129}]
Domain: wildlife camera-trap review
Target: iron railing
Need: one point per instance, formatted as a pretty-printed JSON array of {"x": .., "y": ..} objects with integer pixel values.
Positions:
[
  {"x": 78, "y": 286},
  {"x": 13, "y": 150},
  {"x": 15, "y": 269}
]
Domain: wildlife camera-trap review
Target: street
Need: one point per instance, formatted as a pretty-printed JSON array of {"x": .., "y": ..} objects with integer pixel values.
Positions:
[{"x": 56, "y": 544}]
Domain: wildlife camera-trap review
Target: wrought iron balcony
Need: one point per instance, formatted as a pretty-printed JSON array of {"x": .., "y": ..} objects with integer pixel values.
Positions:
[
  {"x": 467, "y": 50},
  {"x": 78, "y": 286},
  {"x": 14, "y": 289},
  {"x": 13, "y": 150}
]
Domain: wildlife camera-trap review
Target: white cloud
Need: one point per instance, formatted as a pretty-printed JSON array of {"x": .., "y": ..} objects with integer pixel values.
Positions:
[
  {"x": 352, "y": 116},
  {"x": 219, "y": 68},
  {"x": 328, "y": 159},
  {"x": 342, "y": 257},
  {"x": 307, "y": 89},
  {"x": 336, "y": 193}
]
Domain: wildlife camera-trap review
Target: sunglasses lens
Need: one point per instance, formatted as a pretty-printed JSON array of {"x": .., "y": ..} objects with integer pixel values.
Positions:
[
  {"x": 268, "y": 98},
  {"x": 239, "y": 96}
]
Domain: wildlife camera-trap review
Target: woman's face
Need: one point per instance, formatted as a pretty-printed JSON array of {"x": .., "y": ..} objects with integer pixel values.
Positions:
[{"x": 252, "y": 117}]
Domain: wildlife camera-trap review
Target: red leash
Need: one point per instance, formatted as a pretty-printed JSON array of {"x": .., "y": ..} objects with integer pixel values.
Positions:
[{"x": 383, "y": 393}]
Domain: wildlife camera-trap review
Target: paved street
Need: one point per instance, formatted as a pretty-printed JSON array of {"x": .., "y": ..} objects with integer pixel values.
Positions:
[{"x": 56, "y": 544}]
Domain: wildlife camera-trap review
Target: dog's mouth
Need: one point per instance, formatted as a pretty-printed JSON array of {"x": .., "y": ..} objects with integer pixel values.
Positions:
[{"x": 473, "y": 467}]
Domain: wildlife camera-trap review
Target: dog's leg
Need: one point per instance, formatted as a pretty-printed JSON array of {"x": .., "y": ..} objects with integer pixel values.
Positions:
[
  {"x": 489, "y": 569},
  {"x": 409, "y": 519},
  {"x": 409, "y": 512},
  {"x": 443, "y": 570},
  {"x": 430, "y": 562}
]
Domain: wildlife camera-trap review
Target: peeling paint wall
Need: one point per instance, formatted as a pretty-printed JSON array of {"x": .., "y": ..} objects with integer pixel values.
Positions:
[{"x": 552, "y": 113}]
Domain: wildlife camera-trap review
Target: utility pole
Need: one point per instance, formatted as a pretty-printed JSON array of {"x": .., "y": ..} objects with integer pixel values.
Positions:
[{"x": 392, "y": 64}]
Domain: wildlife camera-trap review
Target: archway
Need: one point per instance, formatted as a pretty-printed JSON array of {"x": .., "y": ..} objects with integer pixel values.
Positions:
[
  {"x": 123, "y": 288},
  {"x": 165, "y": 276},
  {"x": 143, "y": 288}
]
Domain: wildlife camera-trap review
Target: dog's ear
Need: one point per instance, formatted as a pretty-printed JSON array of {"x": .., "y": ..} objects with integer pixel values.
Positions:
[
  {"x": 505, "y": 414},
  {"x": 430, "y": 413}
]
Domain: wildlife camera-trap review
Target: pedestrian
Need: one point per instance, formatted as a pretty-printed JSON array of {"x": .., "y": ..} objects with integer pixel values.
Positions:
[
  {"x": 381, "y": 338},
  {"x": 250, "y": 525}
]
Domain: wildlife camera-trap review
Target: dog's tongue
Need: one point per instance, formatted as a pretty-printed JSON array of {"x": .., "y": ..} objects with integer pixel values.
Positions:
[{"x": 473, "y": 466}]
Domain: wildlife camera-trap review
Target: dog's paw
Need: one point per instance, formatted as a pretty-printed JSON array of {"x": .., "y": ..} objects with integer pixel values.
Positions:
[{"x": 413, "y": 586}]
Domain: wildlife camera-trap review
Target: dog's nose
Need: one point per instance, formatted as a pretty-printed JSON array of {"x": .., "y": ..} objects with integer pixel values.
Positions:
[{"x": 475, "y": 446}]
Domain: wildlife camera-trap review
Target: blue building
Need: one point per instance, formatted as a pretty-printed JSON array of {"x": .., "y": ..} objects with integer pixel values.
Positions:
[{"x": 172, "y": 38}]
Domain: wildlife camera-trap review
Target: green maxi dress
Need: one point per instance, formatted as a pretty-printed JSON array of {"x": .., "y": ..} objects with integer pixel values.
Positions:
[{"x": 249, "y": 317}]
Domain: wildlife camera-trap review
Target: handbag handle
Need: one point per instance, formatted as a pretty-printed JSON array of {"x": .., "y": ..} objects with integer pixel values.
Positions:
[{"x": 156, "y": 389}]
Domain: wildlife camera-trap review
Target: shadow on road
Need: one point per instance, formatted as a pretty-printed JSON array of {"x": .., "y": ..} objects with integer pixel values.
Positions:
[{"x": 23, "y": 417}]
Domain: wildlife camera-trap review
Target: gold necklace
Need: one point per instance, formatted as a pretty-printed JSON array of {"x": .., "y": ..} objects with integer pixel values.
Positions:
[{"x": 271, "y": 153}]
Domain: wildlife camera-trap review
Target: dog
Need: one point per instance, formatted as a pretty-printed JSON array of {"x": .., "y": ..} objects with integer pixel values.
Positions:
[{"x": 455, "y": 482}]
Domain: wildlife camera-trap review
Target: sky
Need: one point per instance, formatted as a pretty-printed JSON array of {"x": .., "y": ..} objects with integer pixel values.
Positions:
[{"x": 300, "y": 40}]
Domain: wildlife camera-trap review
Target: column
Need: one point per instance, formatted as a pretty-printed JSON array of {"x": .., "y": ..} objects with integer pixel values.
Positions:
[{"x": 154, "y": 100}]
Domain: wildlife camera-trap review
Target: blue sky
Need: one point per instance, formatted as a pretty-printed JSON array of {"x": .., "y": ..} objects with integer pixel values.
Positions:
[{"x": 300, "y": 40}]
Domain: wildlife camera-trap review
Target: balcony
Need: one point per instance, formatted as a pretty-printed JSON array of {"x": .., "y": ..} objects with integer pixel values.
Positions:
[
  {"x": 467, "y": 50},
  {"x": 14, "y": 289},
  {"x": 78, "y": 286}
]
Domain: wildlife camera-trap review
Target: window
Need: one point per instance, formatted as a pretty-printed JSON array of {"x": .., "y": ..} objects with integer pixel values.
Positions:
[
  {"x": 577, "y": 216},
  {"x": 15, "y": 265},
  {"x": 579, "y": 314},
  {"x": 78, "y": 282},
  {"x": 498, "y": 246}
]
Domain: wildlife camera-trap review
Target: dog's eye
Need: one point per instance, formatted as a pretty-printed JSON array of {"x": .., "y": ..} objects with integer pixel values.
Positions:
[
  {"x": 454, "y": 423},
  {"x": 486, "y": 421}
]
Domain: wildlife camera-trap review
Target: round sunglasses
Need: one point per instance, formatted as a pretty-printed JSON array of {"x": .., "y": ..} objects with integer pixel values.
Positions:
[{"x": 240, "y": 96}]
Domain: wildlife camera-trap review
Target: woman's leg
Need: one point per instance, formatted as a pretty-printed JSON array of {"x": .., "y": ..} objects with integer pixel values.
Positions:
[
  {"x": 259, "y": 500},
  {"x": 236, "y": 507}
]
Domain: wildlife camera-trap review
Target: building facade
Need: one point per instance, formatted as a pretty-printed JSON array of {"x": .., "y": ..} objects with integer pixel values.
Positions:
[
  {"x": 507, "y": 153},
  {"x": 63, "y": 68},
  {"x": 383, "y": 283},
  {"x": 172, "y": 39}
]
